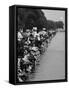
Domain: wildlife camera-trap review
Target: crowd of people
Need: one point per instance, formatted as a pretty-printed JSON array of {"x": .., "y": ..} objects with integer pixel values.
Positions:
[{"x": 31, "y": 44}]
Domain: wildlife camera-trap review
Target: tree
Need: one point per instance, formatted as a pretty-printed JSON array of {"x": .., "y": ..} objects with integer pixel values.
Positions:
[
  {"x": 28, "y": 18},
  {"x": 59, "y": 24},
  {"x": 51, "y": 25},
  {"x": 31, "y": 17},
  {"x": 54, "y": 25}
]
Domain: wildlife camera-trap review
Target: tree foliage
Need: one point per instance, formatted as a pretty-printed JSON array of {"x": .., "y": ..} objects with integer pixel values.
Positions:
[
  {"x": 27, "y": 18},
  {"x": 31, "y": 17},
  {"x": 54, "y": 24}
]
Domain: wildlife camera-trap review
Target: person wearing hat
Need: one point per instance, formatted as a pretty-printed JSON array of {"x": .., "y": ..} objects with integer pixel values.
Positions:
[{"x": 34, "y": 31}]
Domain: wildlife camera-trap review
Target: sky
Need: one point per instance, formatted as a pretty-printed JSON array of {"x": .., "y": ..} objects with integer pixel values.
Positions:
[{"x": 55, "y": 15}]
